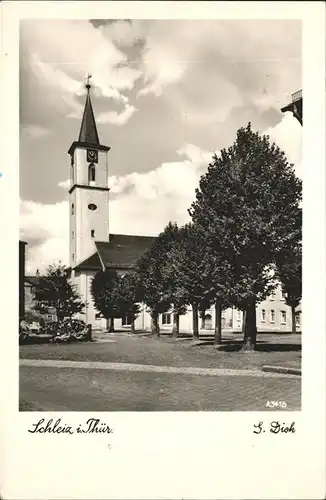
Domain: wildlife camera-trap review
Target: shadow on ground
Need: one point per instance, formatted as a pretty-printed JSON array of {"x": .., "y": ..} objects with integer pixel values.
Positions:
[{"x": 261, "y": 346}]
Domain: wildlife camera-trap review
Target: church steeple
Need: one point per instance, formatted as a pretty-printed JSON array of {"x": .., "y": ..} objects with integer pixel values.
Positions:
[
  {"x": 88, "y": 136},
  {"x": 88, "y": 131},
  {"x": 89, "y": 190}
]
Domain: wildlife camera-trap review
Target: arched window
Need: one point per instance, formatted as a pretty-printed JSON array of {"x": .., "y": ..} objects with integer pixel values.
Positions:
[
  {"x": 91, "y": 173},
  {"x": 72, "y": 209}
]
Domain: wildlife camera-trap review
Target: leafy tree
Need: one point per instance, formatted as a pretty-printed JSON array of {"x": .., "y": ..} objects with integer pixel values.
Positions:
[
  {"x": 247, "y": 203},
  {"x": 127, "y": 297},
  {"x": 56, "y": 290},
  {"x": 173, "y": 294},
  {"x": 217, "y": 270},
  {"x": 187, "y": 267},
  {"x": 104, "y": 288},
  {"x": 150, "y": 273}
]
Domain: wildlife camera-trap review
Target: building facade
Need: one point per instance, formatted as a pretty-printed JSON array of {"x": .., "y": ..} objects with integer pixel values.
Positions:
[{"x": 93, "y": 248}]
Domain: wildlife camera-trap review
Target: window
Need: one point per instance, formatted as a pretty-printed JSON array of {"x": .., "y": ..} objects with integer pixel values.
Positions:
[
  {"x": 263, "y": 315},
  {"x": 92, "y": 206},
  {"x": 272, "y": 316},
  {"x": 92, "y": 233},
  {"x": 73, "y": 234},
  {"x": 72, "y": 209},
  {"x": 283, "y": 317},
  {"x": 73, "y": 256},
  {"x": 91, "y": 173},
  {"x": 166, "y": 319},
  {"x": 126, "y": 320},
  {"x": 297, "y": 319}
]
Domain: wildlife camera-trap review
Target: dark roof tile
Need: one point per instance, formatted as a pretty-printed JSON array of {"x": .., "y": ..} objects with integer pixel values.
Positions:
[{"x": 122, "y": 252}]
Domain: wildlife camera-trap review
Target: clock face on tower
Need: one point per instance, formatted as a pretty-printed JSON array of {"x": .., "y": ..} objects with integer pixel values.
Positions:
[{"x": 92, "y": 155}]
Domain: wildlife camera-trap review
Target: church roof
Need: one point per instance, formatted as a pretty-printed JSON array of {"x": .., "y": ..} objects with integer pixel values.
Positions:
[
  {"x": 121, "y": 252},
  {"x": 88, "y": 131}
]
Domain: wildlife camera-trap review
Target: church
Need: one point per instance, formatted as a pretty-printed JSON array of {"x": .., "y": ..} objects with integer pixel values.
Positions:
[{"x": 93, "y": 248}]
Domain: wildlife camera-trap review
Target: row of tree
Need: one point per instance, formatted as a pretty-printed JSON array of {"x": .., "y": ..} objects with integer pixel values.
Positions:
[{"x": 244, "y": 238}]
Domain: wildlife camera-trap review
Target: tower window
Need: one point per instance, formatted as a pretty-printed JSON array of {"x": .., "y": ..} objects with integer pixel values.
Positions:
[
  {"x": 263, "y": 315},
  {"x": 92, "y": 206},
  {"x": 91, "y": 173},
  {"x": 92, "y": 233},
  {"x": 72, "y": 209}
]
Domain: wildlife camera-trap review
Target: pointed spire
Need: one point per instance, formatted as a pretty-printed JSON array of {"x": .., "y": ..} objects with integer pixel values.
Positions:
[{"x": 88, "y": 131}]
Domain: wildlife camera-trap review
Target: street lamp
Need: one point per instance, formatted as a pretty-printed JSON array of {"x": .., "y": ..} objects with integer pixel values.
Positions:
[{"x": 295, "y": 106}]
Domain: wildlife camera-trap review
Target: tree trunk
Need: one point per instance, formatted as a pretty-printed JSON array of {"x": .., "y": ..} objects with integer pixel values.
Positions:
[
  {"x": 132, "y": 326},
  {"x": 195, "y": 332},
  {"x": 155, "y": 325},
  {"x": 111, "y": 325},
  {"x": 250, "y": 332},
  {"x": 218, "y": 323},
  {"x": 294, "y": 330},
  {"x": 176, "y": 322},
  {"x": 244, "y": 314}
]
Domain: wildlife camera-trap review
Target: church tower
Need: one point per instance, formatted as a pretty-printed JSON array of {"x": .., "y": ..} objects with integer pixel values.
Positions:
[{"x": 89, "y": 192}]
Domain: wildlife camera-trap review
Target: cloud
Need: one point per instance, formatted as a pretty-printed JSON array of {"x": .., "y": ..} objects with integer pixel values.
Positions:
[
  {"x": 288, "y": 136},
  {"x": 35, "y": 131},
  {"x": 48, "y": 223},
  {"x": 121, "y": 32},
  {"x": 116, "y": 118},
  {"x": 207, "y": 68},
  {"x": 64, "y": 184},
  {"x": 61, "y": 63}
]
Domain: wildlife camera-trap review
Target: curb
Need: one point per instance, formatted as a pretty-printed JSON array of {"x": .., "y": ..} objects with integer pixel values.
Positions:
[{"x": 281, "y": 369}]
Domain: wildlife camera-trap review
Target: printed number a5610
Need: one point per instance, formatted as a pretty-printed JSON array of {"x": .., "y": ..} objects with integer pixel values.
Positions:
[{"x": 276, "y": 404}]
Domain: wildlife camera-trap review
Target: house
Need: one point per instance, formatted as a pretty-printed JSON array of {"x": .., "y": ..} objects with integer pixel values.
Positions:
[
  {"x": 295, "y": 106},
  {"x": 48, "y": 315}
]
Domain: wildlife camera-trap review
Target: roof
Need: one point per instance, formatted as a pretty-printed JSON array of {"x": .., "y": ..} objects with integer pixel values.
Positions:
[
  {"x": 33, "y": 280},
  {"x": 122, "y": 252},
  {"x": 91, "y": 263},
  {"x": 88, "y": 131}
]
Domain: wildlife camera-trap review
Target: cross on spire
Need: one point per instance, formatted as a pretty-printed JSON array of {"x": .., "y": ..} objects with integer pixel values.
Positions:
[{"x": 88, "y": 85}]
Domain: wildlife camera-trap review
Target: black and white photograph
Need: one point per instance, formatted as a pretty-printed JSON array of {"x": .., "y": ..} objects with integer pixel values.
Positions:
[
  {"x": 160, "y": 215},
  {"x": 162, "y": 192}
]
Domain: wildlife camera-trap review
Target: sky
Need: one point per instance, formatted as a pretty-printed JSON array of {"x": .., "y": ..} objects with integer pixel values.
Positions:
[{"x": 166, "y": 95}]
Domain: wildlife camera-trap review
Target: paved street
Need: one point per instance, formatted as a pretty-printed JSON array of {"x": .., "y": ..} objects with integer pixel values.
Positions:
[{"x": 129, "y": 373}]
